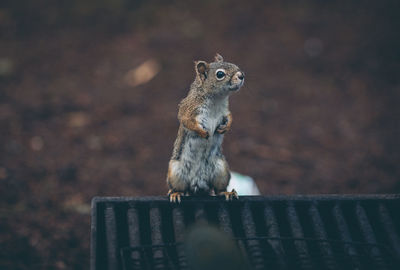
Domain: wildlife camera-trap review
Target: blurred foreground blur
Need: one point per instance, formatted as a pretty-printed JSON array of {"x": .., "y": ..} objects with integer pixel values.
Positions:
[{"x": 89, "y": 93}]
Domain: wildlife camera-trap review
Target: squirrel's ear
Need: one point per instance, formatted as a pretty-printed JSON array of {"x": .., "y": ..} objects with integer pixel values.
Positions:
[
  {"x": 219, "y": 58},
  {"x": 201, "y": 69}
]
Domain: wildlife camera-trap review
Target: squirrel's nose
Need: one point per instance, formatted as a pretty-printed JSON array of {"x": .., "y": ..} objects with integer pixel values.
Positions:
[{"x": 241, "y": 76}]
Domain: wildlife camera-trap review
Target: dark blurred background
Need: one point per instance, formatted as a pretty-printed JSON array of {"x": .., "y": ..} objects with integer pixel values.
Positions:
[{"x": 89, "y": 92}]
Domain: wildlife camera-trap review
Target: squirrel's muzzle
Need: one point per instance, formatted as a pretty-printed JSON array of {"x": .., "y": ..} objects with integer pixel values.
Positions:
[{"x": 237, "y": 81}]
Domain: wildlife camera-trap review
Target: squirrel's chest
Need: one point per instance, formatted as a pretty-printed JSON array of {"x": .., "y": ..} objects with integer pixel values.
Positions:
[
  {"x": 200, "y": 150},
  {"x": 212, "y": 113}
]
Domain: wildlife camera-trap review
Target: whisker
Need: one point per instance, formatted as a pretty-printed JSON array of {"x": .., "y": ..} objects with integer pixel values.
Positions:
[
  {"x": 247, "y": 86},
  {"x": 251, "y": 76}
]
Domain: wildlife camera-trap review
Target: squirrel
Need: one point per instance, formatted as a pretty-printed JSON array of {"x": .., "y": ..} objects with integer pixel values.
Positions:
[{"x": 197, "y": 165}]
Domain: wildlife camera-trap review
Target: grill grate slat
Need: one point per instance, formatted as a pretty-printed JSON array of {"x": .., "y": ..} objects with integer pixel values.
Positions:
[
  {"x": 179, "y": 231},
  {"x": 253, "y": 246},
  {"x": 224, "y": 220},
  {"x": 133, "y": 227},
  {"x": 345, "y": 236},
  {"x": 111, "y": 236},
  {"x": 156, "y": 237},
  {"x": 276, "y": 232},
  {"x": 273, "y": 232},
  {"x": 134, "y": 234},
  {"x": 320, "y": 233},
  {"x": 389, "y": 227},
  {"x": 297, "y": 231},
  {"x": 369, "y": 236}
]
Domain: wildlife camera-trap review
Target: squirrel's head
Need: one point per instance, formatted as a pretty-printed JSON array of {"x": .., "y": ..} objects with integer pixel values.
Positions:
[{"x": 218, "y": 77}]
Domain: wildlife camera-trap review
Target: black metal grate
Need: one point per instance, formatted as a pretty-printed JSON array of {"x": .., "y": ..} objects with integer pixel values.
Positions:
[{"x": 276, "y": 232}]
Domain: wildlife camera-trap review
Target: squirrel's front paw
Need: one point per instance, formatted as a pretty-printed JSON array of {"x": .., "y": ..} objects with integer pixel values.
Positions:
[
  {"x": 221, "y": 129},
  {"x": 203, "y": 133}
]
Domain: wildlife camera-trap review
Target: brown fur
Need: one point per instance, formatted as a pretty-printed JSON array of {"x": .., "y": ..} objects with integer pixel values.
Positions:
[{"x": 188, "y": 119}]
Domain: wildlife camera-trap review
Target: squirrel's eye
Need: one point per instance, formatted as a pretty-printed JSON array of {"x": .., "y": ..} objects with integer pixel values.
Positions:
[{"x": 220, "y": 74}]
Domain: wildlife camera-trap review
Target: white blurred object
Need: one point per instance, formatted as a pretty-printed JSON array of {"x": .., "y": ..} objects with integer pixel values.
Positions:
[{"x": 243, "y": 184}]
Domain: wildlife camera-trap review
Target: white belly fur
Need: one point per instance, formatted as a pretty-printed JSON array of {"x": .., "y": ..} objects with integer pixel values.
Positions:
[{"x": 199, "y": 164}]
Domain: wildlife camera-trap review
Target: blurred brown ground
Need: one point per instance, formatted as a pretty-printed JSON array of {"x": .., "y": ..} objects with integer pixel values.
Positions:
[{"x": 319, "y": 112}]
